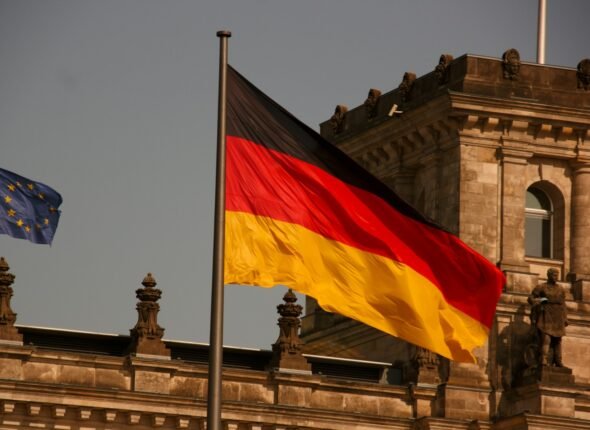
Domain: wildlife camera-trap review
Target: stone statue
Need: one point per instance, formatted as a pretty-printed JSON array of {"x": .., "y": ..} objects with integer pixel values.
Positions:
[
  {"x": 371, "y": 102},
  {"x": 549, "y": 316},
  {"x": 442, "y": 68},
  {"x": 406, "y": 85},
  {"x": 337, "y": 120},
  {"x": 583, "y": 74},
  {"x": 511, "y": 64}
]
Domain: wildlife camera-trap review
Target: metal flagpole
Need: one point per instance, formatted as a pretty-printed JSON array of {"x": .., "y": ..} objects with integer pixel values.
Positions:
[
  {"x": 216, "y": 331},
  {"x": 541, "y": 31}
]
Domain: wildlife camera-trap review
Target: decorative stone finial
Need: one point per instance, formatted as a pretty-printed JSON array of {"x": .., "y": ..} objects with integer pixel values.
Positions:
[
  {"x": 584, "y": 74},
  {"x": 146, "y": 336},
  {"x": 8, "y": 332},
  {"x": 149, "y": 281},
  {"x": 405, "y": 88},
  {"x": 511, "y": 64},
  {"x": 372, "y": 102},
  {"x": 287, "y": 350},
  {"x": 442, "y": 68},
  {"x": 3, "y": 265},
  {"x": 338, "y": 119}
]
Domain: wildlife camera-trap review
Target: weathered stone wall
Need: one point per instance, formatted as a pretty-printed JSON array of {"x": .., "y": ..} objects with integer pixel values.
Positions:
[
  {"x": 479, "y": 199},
  {"x": 66, "y": 390}
]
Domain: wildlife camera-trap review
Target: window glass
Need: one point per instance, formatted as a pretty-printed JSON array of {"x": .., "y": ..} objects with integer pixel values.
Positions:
[{"x": 538, "y": 224}]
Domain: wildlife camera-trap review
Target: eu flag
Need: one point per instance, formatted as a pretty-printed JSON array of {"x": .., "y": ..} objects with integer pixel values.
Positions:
[{"x": 28, "y": 209}]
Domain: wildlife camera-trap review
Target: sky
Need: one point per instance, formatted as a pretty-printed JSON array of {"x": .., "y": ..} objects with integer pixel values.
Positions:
[{"x": 113, "y": 103}]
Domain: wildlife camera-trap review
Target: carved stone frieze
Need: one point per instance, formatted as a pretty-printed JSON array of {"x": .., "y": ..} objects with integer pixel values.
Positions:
[
  {"x": 442, "y": 68},
  {"x": 511, "y": 64},
  {"x": 583, "y": 74},
  {"x": 372, "y": 102},
  {"x": 338, "y": 120},
  {"x": 405, "y": 88},
  {"x": 378, "y": 156}
]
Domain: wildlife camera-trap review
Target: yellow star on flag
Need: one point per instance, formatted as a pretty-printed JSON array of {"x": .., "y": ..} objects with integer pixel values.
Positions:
[
  {"x": 11, "y": 187},
  {"x": 41, "y": 196},
  {"x": 20, "y": 223},
  {"x": 30, "y": 186},
  {"x": 18, "y": 184},
  {"x": 7, "y": 199},
  {"x": 11, "y": 212},
  {"x": 27, "y": 228},
  {"x": 46, "y": 221}
]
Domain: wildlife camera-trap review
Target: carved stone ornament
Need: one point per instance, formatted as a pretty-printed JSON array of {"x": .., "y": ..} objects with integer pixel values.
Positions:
[
  {"x": 584, "y": 74},
  {"x": 426, "y": 365},
  {"x": 147, "y": 335},
  {"x": 7, "y": 318},
  {"x": 372, "y": 102},
  {"x": 511, "y": 64},
  {"x": 287, "y": 350},
  {"x": 338, "y": 119},
  {"x": 405, "y": 88},
  {"x": 442, "y": 68},
  {"x": 426, "y": 358}
]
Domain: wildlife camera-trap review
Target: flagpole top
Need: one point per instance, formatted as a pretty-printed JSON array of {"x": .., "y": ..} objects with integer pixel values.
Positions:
[{"x": 224, "y": 33}]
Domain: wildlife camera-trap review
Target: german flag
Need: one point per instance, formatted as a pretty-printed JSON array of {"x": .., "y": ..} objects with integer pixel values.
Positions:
[{"x": 301, "y": 213}]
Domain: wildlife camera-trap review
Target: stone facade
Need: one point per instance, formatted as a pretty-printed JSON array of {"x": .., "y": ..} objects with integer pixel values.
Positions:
[
  {"x": 68, "y": 380},
  {"x": 474, "y": 136}
]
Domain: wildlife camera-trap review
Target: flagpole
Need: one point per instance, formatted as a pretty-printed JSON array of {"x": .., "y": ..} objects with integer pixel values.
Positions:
[
  {"x": 541, "y": 27},
  {"x": 216, "y": 329}
]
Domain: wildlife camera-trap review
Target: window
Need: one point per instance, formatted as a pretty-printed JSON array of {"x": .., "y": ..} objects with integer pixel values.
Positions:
[{"x": 538, "y": 224}]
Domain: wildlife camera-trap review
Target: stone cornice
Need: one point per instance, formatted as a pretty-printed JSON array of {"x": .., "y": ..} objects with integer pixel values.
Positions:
[
  {"x": 464, "y": 103},
  {"x": 455, "y": 117}
]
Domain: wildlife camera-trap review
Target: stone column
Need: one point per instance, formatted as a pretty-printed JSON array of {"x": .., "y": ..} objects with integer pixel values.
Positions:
[
  {"x": 514, "y": 164},
  {"x": 580, "y": 223},
  {"x": 8, "y": 332}
]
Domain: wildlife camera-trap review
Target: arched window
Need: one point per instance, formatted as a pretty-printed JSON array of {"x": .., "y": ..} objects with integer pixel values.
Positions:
[{"x": 538, "y": 224}]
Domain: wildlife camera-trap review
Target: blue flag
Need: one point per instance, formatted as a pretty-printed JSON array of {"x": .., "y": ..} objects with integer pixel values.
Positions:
[{"x": 28, "y": 209}]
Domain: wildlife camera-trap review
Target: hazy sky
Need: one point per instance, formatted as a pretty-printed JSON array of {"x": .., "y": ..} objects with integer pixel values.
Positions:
[{"x": 113, "y": 103}]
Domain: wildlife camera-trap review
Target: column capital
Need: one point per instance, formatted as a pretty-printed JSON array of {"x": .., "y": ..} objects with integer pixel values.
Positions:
[
  {"x": 513, "y": 155},
  {"x": 580, "y": 165}
]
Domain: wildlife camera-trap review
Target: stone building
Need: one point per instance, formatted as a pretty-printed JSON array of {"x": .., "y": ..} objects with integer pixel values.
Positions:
[
  {"x": 495, "y": 150},
  {"x": 498, "y": 152}
]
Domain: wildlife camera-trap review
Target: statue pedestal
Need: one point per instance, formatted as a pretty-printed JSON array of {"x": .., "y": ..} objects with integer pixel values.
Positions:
[
  {"x": 546, "y": 375},
  {"x": 556, "y": 375},
  {"x": 544, "y": 391}
]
